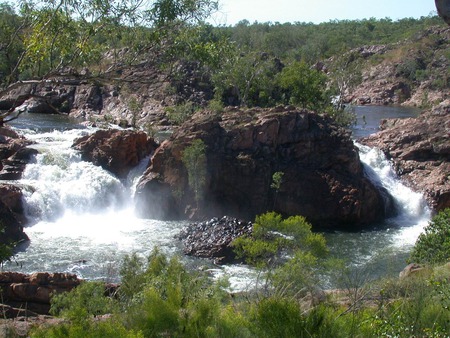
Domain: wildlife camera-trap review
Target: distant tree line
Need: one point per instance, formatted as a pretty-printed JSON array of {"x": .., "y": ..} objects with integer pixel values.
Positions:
[{"x": 248, "y": 64}]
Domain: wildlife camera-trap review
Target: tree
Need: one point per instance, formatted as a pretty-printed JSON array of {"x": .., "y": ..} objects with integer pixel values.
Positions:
[
  {"x": 304, "y": 86},
  {"x": 67, "y": 33},
  {"x": 277, "y": 179},
  {"x": 194, "y": 159},
  {"x": 433, "y": 245},
  {"x": 247, "y": 78},
  {"x": 286, "y": 250},
  {"x": 11, "y": 46}
]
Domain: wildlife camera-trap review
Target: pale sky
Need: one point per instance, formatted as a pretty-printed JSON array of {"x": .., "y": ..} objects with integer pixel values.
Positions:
[{"x": 316, "y": 11}]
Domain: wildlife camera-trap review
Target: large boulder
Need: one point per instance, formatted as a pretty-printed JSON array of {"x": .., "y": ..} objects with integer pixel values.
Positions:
[
  {"x": 323, "y": 179},
  {"x": 117, "y": 151},
  {"x": 12, "y": 213},
  {"x": 420, "y": 151}
]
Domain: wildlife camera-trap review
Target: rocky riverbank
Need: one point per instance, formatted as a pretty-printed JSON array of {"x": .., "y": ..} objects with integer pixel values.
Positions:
[{"x": 420, "y": 152}]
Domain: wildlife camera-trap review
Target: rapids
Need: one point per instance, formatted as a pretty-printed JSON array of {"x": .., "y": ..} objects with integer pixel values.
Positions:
[{"x": 82, "y": 218}]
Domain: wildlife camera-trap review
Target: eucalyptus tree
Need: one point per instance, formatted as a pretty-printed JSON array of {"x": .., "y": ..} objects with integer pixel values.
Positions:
[
  {"x": 74, "y": 33},
  {"x": 11, "y": 47}
]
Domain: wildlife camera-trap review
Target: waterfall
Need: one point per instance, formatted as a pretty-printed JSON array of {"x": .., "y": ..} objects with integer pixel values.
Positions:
[
  {"x": 413, "y": 213},
  {"x": 82, "y": 217},
  {"x": 62, "y": 183}
]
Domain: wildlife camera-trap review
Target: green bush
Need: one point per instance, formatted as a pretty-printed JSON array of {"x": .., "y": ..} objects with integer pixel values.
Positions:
[
  {"x": 85, "y": 301},
  {"x": 181, "y": 113},
  {"x": 433, "y": 245}
]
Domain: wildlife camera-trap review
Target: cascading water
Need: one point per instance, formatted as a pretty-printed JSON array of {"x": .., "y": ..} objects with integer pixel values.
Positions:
[
  {"x": 384, "y": 249},
  {"x": 82, "y": 219},
  {"x": 83, "y": 222}
]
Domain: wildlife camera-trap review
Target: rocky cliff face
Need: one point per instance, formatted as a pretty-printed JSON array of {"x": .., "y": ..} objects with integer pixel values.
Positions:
[
  {"x": 420, "y": 151},
  {"x": 323, "y": 177},
  {"x": 128, "y": 96},
  {"x": 413, "y": 72}
]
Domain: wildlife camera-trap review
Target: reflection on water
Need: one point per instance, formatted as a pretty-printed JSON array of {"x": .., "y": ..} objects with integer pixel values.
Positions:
[{"x": 368, "y": 117}]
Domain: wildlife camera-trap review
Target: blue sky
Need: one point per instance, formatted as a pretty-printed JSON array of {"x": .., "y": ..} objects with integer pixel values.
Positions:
[{"x": 233, "y": 11}]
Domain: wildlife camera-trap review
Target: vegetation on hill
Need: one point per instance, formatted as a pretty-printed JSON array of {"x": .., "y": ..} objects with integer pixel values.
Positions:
[{"x": 249, "y": 64}]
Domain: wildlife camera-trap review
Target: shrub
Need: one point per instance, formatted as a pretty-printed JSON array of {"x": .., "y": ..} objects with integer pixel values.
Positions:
[
  {"x": 433, "y": 245},
  {"x": 86, "y": 301}
]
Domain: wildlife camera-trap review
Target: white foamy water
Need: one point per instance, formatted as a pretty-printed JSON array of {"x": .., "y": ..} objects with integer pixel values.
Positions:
[
  {"x": 413, "y": 214},
  {"x": 83, "y": 222},
  {"x": 384, "y": 249}
]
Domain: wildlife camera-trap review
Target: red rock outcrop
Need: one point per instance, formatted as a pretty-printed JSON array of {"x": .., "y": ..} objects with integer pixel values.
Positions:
[
  {"x": 33, "y": 292},
  {"x": 117, "y": 151},
  {"x": 11, "y": 214},
  {"x": 13, "y": 154},
  {"x": 420, "y": 151},
  {"x": 323, "y": 177}
]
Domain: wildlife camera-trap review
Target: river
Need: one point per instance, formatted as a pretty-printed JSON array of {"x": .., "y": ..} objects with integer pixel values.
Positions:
[{"x": 82, "y": 218}]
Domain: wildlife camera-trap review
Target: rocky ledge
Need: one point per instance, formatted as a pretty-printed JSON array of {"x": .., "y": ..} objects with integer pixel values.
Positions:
[
  {"x": 33, "y": 292},
  {"x": 14, "y": 154},
  {"x": 117, "y": 151},
  {"x": 213, "y": 238},
  {"x": 323, "y": 178},
  {"x": 420, "y": 151}
]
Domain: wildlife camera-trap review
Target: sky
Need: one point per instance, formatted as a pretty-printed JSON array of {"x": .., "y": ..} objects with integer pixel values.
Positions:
[{"x": 317, "y": 11}]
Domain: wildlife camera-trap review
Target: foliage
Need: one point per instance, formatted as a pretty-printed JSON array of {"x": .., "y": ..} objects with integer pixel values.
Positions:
[
  {"x": 273, "y": 237},
  {"x": 173, "y": 301},
  {"x": 55, "y": 35},
  {"x": 84, "y": 302},
  {"x": 304, "y": 86},
  {"x": 6, "y": 248},
  {"x": 162, "y": 298},
  {"x": 246, "y": 79},
  {"x": 277, "y": 179},
  {"x": 433, "y": 245},
  {"x": 11, "y": 46},
  {"x": 180, "y": 113},
  {"x": 194, "y": 159}
]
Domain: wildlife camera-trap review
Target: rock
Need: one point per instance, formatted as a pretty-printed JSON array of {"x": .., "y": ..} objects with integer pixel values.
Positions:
[
  {"x": 117, "y": 151},
  {"x": 11, "y": 212},
  {"x": 213, "y": 238},
  {"x": 323, "y": 180},
  {"x": 420, "y": 151},
  {"x": 390, "y": 80},
  {"x": 13, "y": 154},
  {"x": 14, "y": 166},
  {"x": 443, "y": 9},
  {"x": 412, "y": 269},
  {"x": 34, "y": 291},
  {"x": 12, "y": 203}
]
